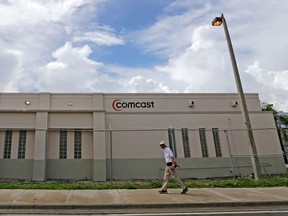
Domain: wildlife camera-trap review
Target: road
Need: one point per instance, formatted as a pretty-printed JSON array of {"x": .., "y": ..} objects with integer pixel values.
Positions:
[
  {"x": 235, "y": 211},
  {"x": 241, "y": 213}
]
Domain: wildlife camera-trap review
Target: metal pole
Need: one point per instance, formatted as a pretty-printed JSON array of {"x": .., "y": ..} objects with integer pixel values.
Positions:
[
  {"x": 111, "y": 155},
  {"x": 230, "y": 154},
  {"x": 254, "y": 158}
]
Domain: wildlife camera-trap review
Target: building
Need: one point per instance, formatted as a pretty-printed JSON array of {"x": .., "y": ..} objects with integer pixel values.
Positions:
[{"x": 102, "y": 136}]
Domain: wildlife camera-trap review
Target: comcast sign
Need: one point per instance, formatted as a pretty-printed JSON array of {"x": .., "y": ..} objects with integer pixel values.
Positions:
[{"x": 119, "y": 105}]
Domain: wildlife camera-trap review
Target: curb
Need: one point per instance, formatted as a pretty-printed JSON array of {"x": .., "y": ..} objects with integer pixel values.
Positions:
[{"x": 147, "y": 206}]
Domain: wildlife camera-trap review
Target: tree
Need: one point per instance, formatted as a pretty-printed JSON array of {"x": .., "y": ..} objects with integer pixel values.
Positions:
[{"x": 268, "y": 107}]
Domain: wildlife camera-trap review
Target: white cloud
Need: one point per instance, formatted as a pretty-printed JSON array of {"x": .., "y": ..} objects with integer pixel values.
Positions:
[
  {"x": 200, "y": 40},
  {"x": 72, "y": 71},
  {"x": 10, "y": 61},
  {"x": 19, "y": 12},
  {"x": 275, "y": 79},
  {"x": 100, "y": 38},
  {"x": 202, "y": 65},
  {"x": 274, "y": 84},
  {"x": 142, "y": 84}
]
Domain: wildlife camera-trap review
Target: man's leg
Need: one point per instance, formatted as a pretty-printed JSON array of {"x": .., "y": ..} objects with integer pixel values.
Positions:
[
  {"x": 178, "y": 180},
  {"x": 166, "y": 178}
]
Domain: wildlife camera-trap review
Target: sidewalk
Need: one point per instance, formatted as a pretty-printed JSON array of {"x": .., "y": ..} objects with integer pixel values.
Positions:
[{"x": 113, "y": 200}]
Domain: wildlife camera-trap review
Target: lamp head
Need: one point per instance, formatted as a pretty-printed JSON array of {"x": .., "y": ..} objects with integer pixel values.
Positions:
[{"x": 217, "y": 21}]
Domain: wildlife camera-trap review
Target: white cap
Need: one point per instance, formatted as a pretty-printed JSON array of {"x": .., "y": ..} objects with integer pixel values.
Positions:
[{"x": 162, "y": 142}]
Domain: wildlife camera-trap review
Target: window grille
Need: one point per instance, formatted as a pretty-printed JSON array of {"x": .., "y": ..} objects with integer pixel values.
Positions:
[
  {"x": 22, "y": 144},
  {"x": 185, "y": 138},
  {"x": 172, "y": 143},
  {"x": 77, "y": 144},
  {"x": 217, "y": 142},
  {"x": 7, "y": 144},
  {"x": 203, "y": 141},
  {"x": 63, "y": 145}
]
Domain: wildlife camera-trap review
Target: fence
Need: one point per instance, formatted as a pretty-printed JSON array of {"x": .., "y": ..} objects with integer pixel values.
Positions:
[
  {"x": 135, "y": 153},
  {"x": 210, "y": 147}
]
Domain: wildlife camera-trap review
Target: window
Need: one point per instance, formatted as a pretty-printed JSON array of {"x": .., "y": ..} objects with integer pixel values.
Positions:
[
  {"x": 217, "y": 142},
  {"x": 77, "y": 144},
  {"x": 185, "y": 139},
  {"x": 63, "y": 145},
  {"x": 203, "y": 141},
  {"x": 172, "y": 143},
  {"x": 7, "y": 144},
  {"x": 22, "y": 144}
]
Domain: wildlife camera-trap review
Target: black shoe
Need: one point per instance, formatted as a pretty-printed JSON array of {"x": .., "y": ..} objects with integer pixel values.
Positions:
[
  {"x": 184, "y": 190},
  {"x": 163, "y": 191}
]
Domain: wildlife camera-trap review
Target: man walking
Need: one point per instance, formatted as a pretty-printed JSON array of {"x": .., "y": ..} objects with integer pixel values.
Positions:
[{"x": 170, "y": 170}]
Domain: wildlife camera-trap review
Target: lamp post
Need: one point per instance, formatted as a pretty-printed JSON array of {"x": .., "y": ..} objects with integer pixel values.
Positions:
[{"x": 254, "y": 157}]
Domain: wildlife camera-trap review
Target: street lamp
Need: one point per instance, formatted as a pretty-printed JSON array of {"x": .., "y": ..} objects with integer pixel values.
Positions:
[{"x": 254, "y": 157}]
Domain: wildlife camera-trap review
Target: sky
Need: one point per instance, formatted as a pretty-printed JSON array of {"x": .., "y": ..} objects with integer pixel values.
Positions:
[{"x": 144, "y": 46}]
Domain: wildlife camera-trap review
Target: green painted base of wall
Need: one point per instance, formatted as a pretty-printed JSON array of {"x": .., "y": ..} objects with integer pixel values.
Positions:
[
  {"x": 194, "y": 167},
  {"x": 99, "y": 170},
  {"x": 70, "y": 169},
  {"x": 16, "y": 169},
  {"x": 123, "y": 169},
  {"x": 39, "y": 170}
]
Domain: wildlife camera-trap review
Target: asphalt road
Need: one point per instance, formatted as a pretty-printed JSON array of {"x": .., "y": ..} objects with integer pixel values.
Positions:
[
  {"x": 239, "y": 213},
  {"x": 232, "y": 211}
]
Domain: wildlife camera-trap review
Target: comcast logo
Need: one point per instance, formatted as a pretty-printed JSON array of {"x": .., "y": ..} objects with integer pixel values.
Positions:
[{"x": 119, "y": 105}]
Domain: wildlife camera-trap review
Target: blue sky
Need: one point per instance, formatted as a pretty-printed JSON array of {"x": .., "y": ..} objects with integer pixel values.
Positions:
[
  {"x": 126, "y": 17},
  {"x": 160, "y": 46}
]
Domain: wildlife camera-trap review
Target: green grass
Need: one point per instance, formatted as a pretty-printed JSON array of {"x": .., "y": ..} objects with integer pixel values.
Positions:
[{"x": 267, "y": 181}]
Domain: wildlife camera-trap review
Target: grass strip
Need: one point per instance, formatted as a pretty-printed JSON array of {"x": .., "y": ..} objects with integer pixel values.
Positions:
[{"x": 241, "y": 182}]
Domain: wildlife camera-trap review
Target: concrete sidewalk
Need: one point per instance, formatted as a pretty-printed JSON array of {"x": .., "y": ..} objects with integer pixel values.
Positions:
[{"x": 113, "y": 200}]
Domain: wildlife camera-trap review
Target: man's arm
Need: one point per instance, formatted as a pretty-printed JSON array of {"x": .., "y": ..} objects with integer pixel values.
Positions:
[{"x": 173, "y": 162}]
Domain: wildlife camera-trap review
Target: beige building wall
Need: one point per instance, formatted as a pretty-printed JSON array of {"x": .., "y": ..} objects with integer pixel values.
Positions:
[{"x": 120, "y": 135}]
